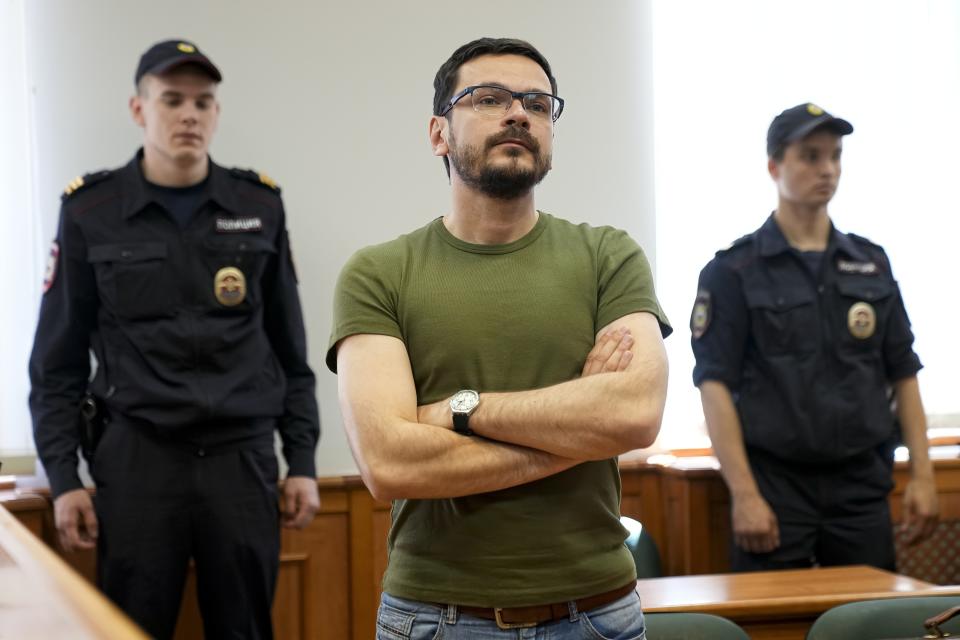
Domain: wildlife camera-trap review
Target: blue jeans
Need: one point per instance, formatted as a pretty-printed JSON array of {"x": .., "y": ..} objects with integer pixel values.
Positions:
[{"x": 400, "y": 619}]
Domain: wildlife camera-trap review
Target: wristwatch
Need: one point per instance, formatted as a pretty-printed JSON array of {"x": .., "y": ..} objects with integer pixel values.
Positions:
[{"x": 463, "y": 404}]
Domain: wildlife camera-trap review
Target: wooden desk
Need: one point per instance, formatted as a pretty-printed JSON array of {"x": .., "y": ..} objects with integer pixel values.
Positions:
[
  {"x": 41, "y": 597},
  {"x": 778, "y": 605}
]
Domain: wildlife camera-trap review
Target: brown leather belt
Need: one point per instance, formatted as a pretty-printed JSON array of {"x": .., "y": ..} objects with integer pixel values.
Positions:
[{"x": 519, "y": 617}]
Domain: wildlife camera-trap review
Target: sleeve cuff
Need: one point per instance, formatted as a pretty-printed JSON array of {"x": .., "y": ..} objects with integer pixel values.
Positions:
[
  {"x": 63, "y": 479},
  {"x": 301, "y": 463}
]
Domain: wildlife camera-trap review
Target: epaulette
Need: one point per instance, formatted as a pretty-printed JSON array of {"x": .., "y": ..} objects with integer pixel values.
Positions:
[
  {"x": 862, "y": 240},
  {"x": 257, "y": 178},
  {"x": 82, "y": 182},
  {"x": 736, "y": 243}
]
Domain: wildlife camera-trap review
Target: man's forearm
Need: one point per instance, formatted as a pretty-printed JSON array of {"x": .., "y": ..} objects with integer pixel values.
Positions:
[
  {"x": 913, "y": 424},
  {"x": 593, "y": 417},
  {"x": 726, "y": 437},
  {"x": 412, "y": 460}
]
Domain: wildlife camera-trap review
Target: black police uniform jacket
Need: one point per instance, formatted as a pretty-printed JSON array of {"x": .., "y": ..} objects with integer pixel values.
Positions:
[
  {"x": 127, "y": 282},
  {"x": 810, "y": 385}
]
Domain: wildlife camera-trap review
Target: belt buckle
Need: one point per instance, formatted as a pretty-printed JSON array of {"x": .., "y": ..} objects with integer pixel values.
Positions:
[{"x": 510, "y": 625}]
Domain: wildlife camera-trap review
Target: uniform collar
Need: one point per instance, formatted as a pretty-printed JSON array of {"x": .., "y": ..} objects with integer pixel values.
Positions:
[
  {"x": 772, "y": 241},
  {"x": 137, "y": 193},
  {"x": 842, "y": 242}
]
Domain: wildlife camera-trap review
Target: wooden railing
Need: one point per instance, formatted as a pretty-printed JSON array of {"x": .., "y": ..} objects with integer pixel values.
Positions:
[
  {"x": 42, "y": 597},
  {"x": 329, "y": 583}
]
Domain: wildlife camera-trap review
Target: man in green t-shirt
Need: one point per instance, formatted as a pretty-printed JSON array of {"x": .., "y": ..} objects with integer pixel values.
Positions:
[{"x": 492, "y": 365}]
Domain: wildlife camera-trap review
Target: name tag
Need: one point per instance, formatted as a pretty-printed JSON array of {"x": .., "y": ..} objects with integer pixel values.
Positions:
[
  {"x": 239, "y": 225},
  {"x": 849, "y": 266}
]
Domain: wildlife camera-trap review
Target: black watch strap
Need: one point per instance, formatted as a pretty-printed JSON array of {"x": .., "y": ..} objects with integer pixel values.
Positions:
[{"x": 461, "y": 424}]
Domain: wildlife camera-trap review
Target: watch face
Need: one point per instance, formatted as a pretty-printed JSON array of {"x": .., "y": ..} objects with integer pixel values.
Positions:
[{"x": 464, "y": 401}]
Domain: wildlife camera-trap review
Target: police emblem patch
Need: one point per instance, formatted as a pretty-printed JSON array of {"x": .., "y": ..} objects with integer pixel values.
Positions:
[
  {"x": 861, "y": 320},
  {"x": 50, "y": 274},
  {"x": 230, "y": 286},
  {"x": 700, "y": 318}
]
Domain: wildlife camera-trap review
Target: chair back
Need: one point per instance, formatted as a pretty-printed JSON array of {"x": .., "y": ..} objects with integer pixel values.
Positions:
[
  {"x": 884, "y": 619},
  {"x": 691, "y": 626},
  {"x": 646, "y": 556}
]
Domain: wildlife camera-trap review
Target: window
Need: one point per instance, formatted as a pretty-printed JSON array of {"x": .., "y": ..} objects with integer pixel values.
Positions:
[
  {"x": 20, "y": 268},
  {"x": 722, "y": 71}
]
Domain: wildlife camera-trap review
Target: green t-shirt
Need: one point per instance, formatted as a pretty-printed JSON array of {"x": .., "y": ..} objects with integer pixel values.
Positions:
[{"x": 509, "y": 317}]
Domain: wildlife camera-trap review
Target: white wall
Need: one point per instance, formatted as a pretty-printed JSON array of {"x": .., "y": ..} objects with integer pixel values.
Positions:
[{"x": 332, "y": 100}]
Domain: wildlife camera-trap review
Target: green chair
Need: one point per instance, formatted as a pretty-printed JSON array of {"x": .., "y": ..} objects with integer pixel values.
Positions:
[
  {"x": 691, "y": 626},
  {"x": 645, "y": 553},
  {"x": 883, "y": 619}
]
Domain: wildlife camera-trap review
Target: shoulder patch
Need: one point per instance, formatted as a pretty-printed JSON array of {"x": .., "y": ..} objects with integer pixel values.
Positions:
[
  {"x": 257, "y": 178},
  {"x": 701, "y": 315},
  {"x": 82, "y": 182}
]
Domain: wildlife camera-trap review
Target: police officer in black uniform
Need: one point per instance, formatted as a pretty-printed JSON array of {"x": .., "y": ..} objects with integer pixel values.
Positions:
[
  {"x": 800, "y": 337},
  {"x": 176, "y": 273}
]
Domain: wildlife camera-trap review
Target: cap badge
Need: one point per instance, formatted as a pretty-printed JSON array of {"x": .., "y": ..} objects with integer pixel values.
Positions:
[
  {"x": 230, "y": 286},
  {"x": 814, "y": 110},
  {"x": 186, "y": 48},
  {"x": 700, "y": 318},
  {"x": 861, "y": 320}
]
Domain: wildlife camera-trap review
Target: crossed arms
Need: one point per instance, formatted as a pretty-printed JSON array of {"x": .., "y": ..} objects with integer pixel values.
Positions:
[{"x": 406, "y": 451}]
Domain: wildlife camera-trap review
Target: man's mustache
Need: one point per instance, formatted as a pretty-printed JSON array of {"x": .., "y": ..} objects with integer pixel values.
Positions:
[{"x": 514, "y": 133}]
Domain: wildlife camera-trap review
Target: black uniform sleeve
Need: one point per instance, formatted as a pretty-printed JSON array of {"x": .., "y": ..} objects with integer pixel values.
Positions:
[
  {"x": 300, "y": 424},
  {"x": 723, "y": 329},
  {"x": 899, "y": 359},
  {"x": 60, "y": 361}
]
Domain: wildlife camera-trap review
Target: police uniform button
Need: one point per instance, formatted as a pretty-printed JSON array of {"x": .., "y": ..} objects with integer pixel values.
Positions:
[
  {"x": 126, "y": 253},
  {"x": 780, "y": 302},
  {"x": 201, "y": 452}
]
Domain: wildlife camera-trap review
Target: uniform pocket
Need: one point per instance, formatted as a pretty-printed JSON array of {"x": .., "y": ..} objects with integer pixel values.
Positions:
[
  {"x": 134, "y": 279},
  {"x": 783, "y": 321},
  {"x": 861, "y": 315},
  {"x": 225, "y": 258}
]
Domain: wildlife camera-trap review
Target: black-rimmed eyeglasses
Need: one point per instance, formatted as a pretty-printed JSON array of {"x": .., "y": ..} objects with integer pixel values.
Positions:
[{"x": 494, "y": 101}]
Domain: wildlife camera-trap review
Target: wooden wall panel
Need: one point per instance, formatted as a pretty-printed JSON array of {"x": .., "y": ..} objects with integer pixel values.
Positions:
[
  {"x": 324, "y": 595},
  {"x": 330, "y": 576},
  {"x": 381, "y": 529}
]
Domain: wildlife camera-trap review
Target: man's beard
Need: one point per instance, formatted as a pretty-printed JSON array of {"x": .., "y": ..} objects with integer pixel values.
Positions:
[{"x": 502, "y": 182}]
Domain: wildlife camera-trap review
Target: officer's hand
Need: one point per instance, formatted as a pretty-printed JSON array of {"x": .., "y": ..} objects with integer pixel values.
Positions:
[
  {"x": 76, "y": 520},
  {"x": 301, "y": 501},
  {"x": 755, "y": 527},
  {"x": 921, "y": 510},
  {"x": 610, "y": 353}
]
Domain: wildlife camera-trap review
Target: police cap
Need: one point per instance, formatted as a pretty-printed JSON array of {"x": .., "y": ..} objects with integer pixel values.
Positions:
[
  {"x": 166, "y": 55},
  {"x": 798, "y": 122}
]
